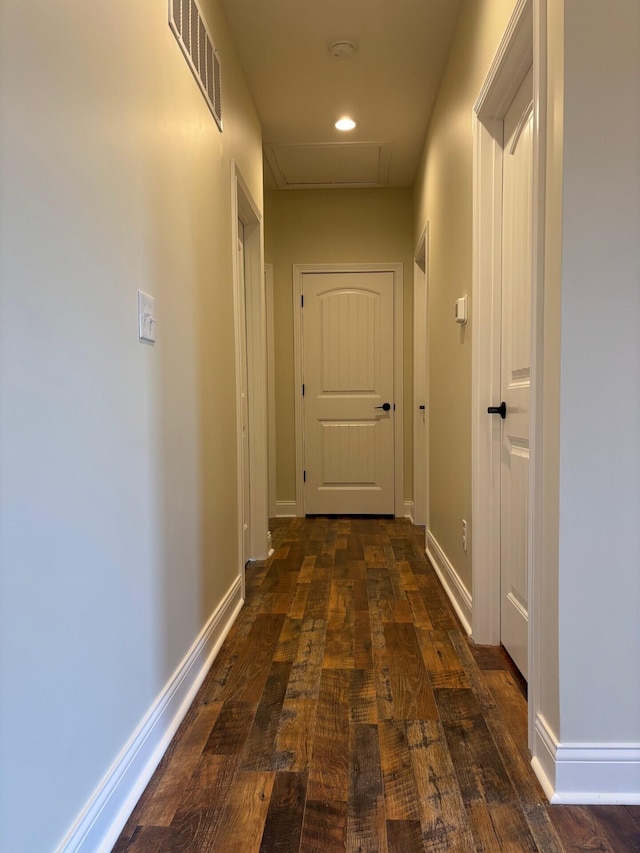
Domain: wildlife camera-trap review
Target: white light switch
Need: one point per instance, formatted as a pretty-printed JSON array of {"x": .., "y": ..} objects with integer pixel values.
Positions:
[
  {"x": 146, "y": 317},
  {"x": 460, "y": 312}
]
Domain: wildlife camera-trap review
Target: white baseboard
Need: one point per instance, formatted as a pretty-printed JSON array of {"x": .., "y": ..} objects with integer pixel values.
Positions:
[
  {"x": 409, "y": 510},
  {"x": 286, "y": 509},
  {"x": 450, "y": 580},
  {"x": 100, "y": 823},
  {"x": 586, "y": 773}
]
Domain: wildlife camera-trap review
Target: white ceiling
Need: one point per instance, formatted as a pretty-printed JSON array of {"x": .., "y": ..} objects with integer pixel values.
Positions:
[{"x": 389, "y": 87}]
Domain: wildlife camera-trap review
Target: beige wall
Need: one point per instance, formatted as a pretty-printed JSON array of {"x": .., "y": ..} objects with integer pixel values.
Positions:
[
  {"x": 443, "y": 197},
  {"x": 332, "y": 226},
  {"x": 118, "y": 501}
]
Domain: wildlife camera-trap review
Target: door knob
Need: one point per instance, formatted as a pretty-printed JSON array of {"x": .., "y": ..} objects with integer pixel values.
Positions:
[
  {"x": 498, "y": 410},
  {"x": 385, "y": 406}
]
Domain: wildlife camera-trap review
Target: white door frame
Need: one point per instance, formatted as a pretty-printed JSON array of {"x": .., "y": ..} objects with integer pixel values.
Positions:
[
  {"x": 421, "y": 380},
  {"x": 299, "y": 271},
  {"x": 271, "y": 387},
  {"x": 522, "y": 45},
  {"x": 245, "y": 210}
]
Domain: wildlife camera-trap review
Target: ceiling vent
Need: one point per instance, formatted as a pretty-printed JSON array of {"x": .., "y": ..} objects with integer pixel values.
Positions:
[{"x": 192, "y": 34}]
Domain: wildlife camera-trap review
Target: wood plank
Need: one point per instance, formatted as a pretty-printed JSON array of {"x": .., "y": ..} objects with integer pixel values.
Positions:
[
  {"x": 512, "y": 705},
  {"x": 404, "y": 836},
  {"x": 500, "y": 827},
  {"x": 442, "y": 812},
  {"x": 246, "y": 679},
  {"x": 479, "y": 768},
  {"x": 402, "y": 578},
  {"x": 288, "y": 641},
  {"x": 375, "y": 556},
  {"x": 421, "y": 618},
  {"x": 363, "y": 706},
  {"x": 299, "y": 603},
  {"x": 410, "y": 688},
  {"x": 400, "y": 791},
  {"x": 210, "y": 784},
  {"x": 149, "y": 838},
  {"x": 366, "y": 824},
  {"x": 324, "y": 829},
  {"x": 379, "y": 584},
  {"x": 283, "y": 825},
  {"x": 231, "y": 728},
  {"x": 329, "y": 772},
  {"x": 160, "y": 809},
  {"x": 245, "y": 813},
  {"x": 380, "y": 668},
  {"x": 318, "y": 600},
  {"x": 304, "y": 680},
  {"x": 456, "y": 704},
  {"x": 580, "y": 830},
  {"x": 541, "y": 828},
  {"x": 339, "y": 642},
  {"x": 307, "y": 569},
  {"x": 620, "y": 826},
  {"x": 294, "y": 741},
  {"x": 259, "y": 747},
  {"x": 442, "y": 661},
  {"x": 362, "y": 655},
  {"x": 396, "y": 611}
]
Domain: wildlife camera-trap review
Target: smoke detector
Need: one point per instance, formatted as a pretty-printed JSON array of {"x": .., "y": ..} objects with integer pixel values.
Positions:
[{"x": 343, "y": 50}]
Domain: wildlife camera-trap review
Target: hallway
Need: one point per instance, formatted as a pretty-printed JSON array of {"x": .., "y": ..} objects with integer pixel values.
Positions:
[{"x": 347, "y": 710}]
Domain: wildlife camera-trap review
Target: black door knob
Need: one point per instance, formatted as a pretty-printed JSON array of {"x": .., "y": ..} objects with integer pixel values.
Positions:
[
  {"x": 498, "y": 410},
  {"x": 385, "y": 406}
]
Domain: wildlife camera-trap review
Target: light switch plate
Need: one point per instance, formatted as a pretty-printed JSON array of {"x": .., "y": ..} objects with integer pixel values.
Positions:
[
  {"x": 146, "y": 317},
  {"x": 461, "y": 310}
]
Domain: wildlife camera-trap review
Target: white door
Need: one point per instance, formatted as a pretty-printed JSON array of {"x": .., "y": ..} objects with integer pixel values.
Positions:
[
  {"x": 516, "y": 371},
  {"x": 244, "y": 396},
  {"x": 348, "y": 347}
]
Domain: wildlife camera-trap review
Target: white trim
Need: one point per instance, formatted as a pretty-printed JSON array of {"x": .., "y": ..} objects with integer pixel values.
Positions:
[
  {"x": 286, "y": 509},
  {"x": 536, "y": 490},
  {"x": 244, "y": 209},
  {"x": 98, "y": 826},
  {"x": 421, "y": 378},
  {"x": 586, "y": 773},
  {"x": 271, "y": 387},
  {"x": 522, "y": 45},
  {"x": 398, "y": 376},
  {"x": 451, "y": 581},
  {"x": 409, "y": 511},
  {"x": 513, "y": 58},
  {"x": 544, "y": 756}
]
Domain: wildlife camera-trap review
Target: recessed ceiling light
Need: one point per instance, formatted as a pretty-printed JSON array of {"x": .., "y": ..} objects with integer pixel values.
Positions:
[
  {"x": 345, "y": 123},
  {"x": 343, "y": 50}
]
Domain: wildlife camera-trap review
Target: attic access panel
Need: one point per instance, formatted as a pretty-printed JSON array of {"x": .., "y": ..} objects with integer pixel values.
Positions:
[{"x": 339, "y": 164}]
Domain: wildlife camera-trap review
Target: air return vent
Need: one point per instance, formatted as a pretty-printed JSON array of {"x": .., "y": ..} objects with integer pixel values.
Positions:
[{"x": 196, "y": 43}]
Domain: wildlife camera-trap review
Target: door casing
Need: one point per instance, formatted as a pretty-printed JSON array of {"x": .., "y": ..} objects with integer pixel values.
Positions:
[
  {"x": 421, "y": 380},
  {"x": 299, "y": 271},
  {"x": 245, "y": 210},
  {"x": 523, "y": 44}
]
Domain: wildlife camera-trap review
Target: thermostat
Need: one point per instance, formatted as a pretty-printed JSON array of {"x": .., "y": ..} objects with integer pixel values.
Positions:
[{"x": 460, "y": 312}]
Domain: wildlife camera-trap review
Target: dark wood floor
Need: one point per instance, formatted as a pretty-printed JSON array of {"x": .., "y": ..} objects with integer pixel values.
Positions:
[{"x": 348, "y": 711}]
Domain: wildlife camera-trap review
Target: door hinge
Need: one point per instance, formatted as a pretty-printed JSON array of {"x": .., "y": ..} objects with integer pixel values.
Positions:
[
  {"x": 303, "y": 389},
  {"x": 302, "y": 300},
  {"x": 304, "y": 476}
]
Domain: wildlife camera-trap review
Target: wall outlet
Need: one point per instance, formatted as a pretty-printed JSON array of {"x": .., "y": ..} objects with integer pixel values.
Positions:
[{"x": 464, "y": 535}]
